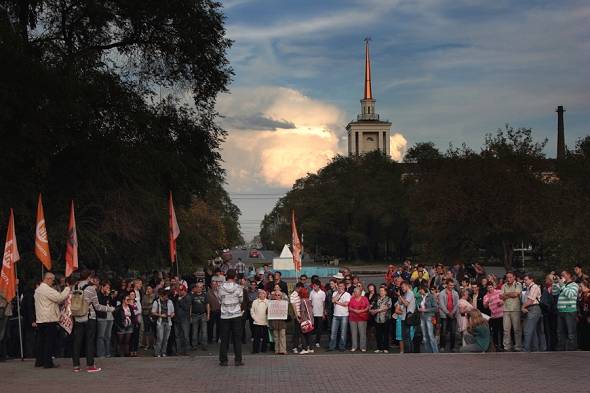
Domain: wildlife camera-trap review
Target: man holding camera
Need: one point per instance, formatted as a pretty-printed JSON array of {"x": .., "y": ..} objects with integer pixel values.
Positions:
[{"x": 567, "y": 291}]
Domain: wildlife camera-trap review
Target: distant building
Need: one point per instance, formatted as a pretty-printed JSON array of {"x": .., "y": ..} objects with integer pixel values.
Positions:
[{"x": 368, "y": 133}]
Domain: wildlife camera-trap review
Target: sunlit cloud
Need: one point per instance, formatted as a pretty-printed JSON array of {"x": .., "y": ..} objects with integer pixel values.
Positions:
[
  {"x": 397, "y": 146},
  {"x": 278, "y": 155}
]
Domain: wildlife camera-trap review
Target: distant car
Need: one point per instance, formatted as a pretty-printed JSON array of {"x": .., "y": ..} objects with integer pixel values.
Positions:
[
  {"x": 254, "y": 253},
  {"x": 244, "y": 248}
]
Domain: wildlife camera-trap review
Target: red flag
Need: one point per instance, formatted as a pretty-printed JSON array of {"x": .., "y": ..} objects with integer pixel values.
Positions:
[
  {"x": 41, "y": 240},
  {"x": 295, "y": 243},
  {"x": 11, "y": 256},
  {"x": 174, "y": 230},
  {"x": 72, "y": 245}
]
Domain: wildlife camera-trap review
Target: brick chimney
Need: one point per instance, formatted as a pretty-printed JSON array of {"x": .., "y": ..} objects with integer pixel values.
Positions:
[{"x": 560, "y": 134}]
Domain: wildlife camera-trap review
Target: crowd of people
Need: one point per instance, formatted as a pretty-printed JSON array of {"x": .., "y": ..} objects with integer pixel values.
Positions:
[{"x": 413, "y": 309}]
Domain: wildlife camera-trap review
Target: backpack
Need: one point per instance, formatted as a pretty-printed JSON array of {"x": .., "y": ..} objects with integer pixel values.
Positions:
[{"x": 78, "y": 305}]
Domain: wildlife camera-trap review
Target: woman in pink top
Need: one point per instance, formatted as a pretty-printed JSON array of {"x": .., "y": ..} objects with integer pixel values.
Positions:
[
  {"x": 358, "y": 315},
  {"x": 492, "y": 301}
]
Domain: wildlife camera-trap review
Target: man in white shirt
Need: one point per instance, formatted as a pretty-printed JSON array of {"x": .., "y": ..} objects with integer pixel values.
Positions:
[
  {"x": 340, "y": 299},
  {"x": 47, "y": 301},
  {"x": 318, "y": 299}
]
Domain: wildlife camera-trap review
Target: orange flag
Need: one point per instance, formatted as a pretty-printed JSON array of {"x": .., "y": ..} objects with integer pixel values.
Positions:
[
  {"x": 72, "y": 245},
  {"x": 11, "y": 256},
  {"x": 41, "y": 240},
  {"x": 174, "y": 230},
  {"x": 295, "y": 243}
]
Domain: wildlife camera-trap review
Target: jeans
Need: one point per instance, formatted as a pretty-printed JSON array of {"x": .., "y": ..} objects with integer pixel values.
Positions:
[
  {"x": 231, "y": 327},
  {"x": 104, "y": 328},
  {"x": 338, "y": 323},
  {"x": 162, "y": 335},
  {"x": 448, "y": 327},
  {"x": 470, "y": 345},
  {"x": 381, "y": 330},
  {"x": 358, "y": 329},
  {"x": 47, "y": 339},
  {"x": 531, "y": 328},
  {"x": 428, "y": 334},
  {"x": 181, "y": 334},
  {"x": 141, "y": 331},
  {"x": 84, "y": 330},
  {"x": 407, "y": 335},
  {"x": 566, "y": 331},
  {"x": 199, "y": 324},
  {"x": 512, "y": 321}
]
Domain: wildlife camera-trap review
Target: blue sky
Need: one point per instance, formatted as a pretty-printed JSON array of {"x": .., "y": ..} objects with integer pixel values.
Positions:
[{"x": 443, "y": 71}]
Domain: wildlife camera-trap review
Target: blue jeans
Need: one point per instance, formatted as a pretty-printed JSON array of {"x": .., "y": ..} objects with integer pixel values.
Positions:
[
  {"x": 199, "y": 324},
  {"x": 338, "y": 323},
  {"x": 162, "y": 336},
  {"x": 428, "y": 334},
  {"x": 531, "y": 328},
  {"x": 103, "y": 337},
  {"x": 566, "y": 331}
]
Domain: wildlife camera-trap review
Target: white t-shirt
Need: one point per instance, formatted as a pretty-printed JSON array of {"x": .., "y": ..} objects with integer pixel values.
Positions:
[
  {"x": 317, "y": 301},
  {"x": 341, "y": 311}
]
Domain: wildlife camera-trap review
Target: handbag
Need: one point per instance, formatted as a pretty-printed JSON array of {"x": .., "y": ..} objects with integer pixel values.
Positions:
[
  {"x": 413, "y": 319},
  {"x": 307, "y": 325}
]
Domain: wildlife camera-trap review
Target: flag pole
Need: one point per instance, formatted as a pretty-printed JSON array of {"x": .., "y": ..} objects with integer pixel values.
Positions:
[
  {"x": 177, "y": 267},
  {"x": 20, "y": 328}
]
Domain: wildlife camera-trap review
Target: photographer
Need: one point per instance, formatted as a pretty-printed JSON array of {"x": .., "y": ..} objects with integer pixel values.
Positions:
[{"x": 567, "y": 291}]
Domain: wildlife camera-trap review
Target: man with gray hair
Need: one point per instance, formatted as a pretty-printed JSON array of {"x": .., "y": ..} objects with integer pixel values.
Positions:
[{"x": 47, "y": 301}]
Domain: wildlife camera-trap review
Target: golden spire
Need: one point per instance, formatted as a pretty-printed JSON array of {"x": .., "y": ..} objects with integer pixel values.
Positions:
[{"x": 368, "y": 90}]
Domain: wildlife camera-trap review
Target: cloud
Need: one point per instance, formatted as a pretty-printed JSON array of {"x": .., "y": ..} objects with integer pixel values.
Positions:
[
  {"x": 257, "y": 122},
  {"x": 303, "y": 141},
  {"x": 327, "y": 23},
  {"x": 397, "y": 146}
]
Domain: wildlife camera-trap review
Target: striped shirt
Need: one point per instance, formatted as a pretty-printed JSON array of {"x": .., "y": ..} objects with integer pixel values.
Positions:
[{"x": 568, "y": 296}]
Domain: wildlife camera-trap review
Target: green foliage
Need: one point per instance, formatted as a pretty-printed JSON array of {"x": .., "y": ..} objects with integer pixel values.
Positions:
[
  {"x": 83, "y": 119},
  {"x": 352, "y": 208},
  {"x": 443, "y": 207}
]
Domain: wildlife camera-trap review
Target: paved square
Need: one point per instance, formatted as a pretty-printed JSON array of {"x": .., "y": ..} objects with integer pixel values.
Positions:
[{"x": 493, "y": 372}]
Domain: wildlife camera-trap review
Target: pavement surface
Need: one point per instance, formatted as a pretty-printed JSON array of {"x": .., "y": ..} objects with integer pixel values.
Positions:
[{"x": 342, "y": 372}]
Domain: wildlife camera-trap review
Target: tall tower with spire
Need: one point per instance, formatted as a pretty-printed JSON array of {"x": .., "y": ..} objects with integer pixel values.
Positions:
[{"x": 368, "y": 133}]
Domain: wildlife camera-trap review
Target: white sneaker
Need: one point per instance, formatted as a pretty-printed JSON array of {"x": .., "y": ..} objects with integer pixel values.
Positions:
[
  {"x": 377, "y": 351},
  {"x": 385, "y": 351},
  {"x": 353, "y": 350},
  {"x": 295, "y": 350},
  {"x": 363, "y": 350},
  {"x": 317, "y": 345},
  {"x": 310, "y": 351},
  {"x": 303, "y": 352}
]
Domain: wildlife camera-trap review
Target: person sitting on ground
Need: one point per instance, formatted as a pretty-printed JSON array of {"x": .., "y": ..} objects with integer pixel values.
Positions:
[{"x": 477, "y": 335}]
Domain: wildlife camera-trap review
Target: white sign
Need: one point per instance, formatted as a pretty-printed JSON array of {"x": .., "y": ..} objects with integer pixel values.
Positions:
[{"x": 278, "y": 309}]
